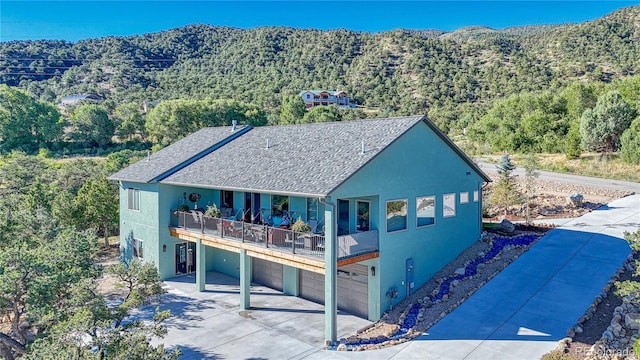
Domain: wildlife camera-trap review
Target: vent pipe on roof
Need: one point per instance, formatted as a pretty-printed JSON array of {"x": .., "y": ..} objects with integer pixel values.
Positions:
[
  {"x": 148, "y": 155},
  {"x": 267, "y": 143},
  {"x": 235, "y": 125},
  {"x": 362, "y": 149}
]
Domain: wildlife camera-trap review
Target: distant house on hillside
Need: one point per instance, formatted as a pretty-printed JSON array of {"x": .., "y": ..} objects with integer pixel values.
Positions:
[
  {"x": 75, "y": 99},
  {"x": 338, "y": 98}
]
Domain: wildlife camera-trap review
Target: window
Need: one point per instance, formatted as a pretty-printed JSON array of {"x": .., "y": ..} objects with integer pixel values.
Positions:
[
  {"x": 448, "y": 205},
  {"x": 312, "y": 209},
  {"x": 425, "y": 211},
  {"x": 279, "y": 205},
  {"x": 475, "y": 196},
  {"x": 464, "y": 197},
  {"x": 396, "y": 215},
  {"x": 226, "y": 199},
  {"x": 133, "y": 199},
  {"x": 363, "y": 215},
  {"x": 138, "y": 248}
]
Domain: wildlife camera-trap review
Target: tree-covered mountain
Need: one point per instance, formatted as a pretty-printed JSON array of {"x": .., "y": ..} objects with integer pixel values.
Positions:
[{"x": 452, "y": 76}]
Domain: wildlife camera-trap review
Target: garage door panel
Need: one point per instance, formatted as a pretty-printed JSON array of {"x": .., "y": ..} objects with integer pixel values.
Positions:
[
  {"x": 267, "y": 273},
  {"x": 352, "y": 288},
  {"x": 312, "y": 286}
]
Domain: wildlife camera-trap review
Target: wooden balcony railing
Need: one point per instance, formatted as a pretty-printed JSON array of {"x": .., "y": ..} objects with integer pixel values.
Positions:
[{"x": 301, "y": 243}]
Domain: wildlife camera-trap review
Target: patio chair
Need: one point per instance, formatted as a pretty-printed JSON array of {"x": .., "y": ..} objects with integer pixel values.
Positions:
[
  {"x": 197, "y": 216},
  {"x": 314, "y": 226}
]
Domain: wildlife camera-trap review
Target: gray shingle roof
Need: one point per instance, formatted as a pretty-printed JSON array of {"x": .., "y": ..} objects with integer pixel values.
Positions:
[
  {"x": 309, "y": 159},
  {"x": 178, "y": 154}
]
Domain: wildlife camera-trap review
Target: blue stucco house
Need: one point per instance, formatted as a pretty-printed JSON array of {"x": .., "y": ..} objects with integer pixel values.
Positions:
[{"x": 389, "y": 203}]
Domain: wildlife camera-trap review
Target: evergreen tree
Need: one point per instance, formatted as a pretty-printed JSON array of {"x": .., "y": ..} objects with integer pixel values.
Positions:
[
  {"x": 505, "y": 191},
  {"x": 322, "y": 114},
  {"x": 292, "y": 110},
  {"x": 630, "y": 143},
  {"x": 602, "y": 126},
  {"x": 93, "y": 125}
]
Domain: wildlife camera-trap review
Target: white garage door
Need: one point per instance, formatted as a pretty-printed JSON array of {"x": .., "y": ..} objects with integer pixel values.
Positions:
[
  {"x": 353, "y": 288},
  {"x": 267, "y": 273}
]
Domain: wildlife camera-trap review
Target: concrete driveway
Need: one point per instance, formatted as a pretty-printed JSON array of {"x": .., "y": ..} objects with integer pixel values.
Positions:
[
  {"x": 520, "y": 314},
  {"x": 210, "y": 325}
]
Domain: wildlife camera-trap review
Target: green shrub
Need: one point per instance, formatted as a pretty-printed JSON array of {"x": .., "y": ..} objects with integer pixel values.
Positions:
[
  {"x": 636, "y": 348},
  {"x": 213, "y": 211},
  {"x": 300, "y": 226},
  {"x": 630, "y": 149},
  {"x": 184, "y": 207},
  {"x": 558, "y": 355}
]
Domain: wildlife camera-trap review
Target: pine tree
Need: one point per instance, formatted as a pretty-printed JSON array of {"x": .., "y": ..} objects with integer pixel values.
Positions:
[{"x": 505, "y": 191}]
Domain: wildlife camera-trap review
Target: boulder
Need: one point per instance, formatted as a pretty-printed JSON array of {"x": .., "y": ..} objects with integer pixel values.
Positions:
[
  {"x": 507, "y": 226},
  {"x": 631, "y": 321},
  {"x": 576, "y": 200},
  {"x": 578, "y": 329},
  {"x": 460, "y": 271},
  {"x": 608, "y": 335},
  {"x": 617, "y": 330}
]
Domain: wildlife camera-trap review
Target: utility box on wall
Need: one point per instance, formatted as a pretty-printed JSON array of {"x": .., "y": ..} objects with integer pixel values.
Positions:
[{"x": 410, "y": 282}]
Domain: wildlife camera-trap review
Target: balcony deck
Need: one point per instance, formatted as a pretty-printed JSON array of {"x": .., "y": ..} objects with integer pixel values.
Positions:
[{"x": 297, "y": 249}]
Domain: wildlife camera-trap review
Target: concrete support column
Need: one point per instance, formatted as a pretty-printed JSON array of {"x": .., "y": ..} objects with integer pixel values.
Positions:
[
  {"x": 245, "y": 280},
  {"x": 331, "y": 274},
  {"x": 291, "y": 280},
  {"x": 201, "y": 265}
]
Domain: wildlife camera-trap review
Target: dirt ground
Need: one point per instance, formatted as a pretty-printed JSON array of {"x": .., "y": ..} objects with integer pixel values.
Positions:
[{"x": 106, "y": 284}]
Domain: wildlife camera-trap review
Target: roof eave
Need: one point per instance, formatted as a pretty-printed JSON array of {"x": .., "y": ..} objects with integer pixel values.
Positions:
[{"x": 241, "y": 189}]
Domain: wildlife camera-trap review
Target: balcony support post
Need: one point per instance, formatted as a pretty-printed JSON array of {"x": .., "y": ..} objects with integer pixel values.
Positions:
[
  {"x": 201, "y": 265},
  {"x": 331, "y": 272},
  {"x": 245, "y": 280}
]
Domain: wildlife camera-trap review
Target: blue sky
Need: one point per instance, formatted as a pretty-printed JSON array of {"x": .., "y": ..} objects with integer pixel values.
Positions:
[{"x": 75, "y": 20}]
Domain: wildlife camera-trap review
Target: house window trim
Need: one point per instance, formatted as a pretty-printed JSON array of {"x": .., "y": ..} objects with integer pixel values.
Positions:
[
  {"x": 222, "y": 197},
  {"x": 444, "y": 215},
  {"x": 435, "y": 199},
  {"x": 317, "y": 209},
  {"x": 136, "y": 194},
  {"x": 136, "y": 248},
  {"x": 271, "y": 212},
  {"x": 386, "y": 219},
  {"x": 357, "y": 215},
  {"x": 466, "y": 201}
]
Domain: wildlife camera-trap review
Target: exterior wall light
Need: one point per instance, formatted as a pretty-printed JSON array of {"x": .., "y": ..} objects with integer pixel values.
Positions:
[
  {"x": 373, "y": 271},
  {"x": 164, "y": 248}
]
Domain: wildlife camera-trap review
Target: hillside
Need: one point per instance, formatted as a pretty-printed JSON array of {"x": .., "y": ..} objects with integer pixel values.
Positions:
[{"x": 397, "y": 72}]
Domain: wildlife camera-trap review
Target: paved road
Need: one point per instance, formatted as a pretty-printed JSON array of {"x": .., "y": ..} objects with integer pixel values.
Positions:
[{"x": 490, "y": 169}]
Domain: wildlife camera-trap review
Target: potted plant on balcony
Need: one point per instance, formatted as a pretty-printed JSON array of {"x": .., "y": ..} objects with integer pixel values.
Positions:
[
  {"x": 213, "y": 211},
  {"x": 300, "y": 226}
]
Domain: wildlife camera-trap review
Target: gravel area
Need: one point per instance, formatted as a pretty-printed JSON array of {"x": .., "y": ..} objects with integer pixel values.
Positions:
[{"x": 551, "y": 200}]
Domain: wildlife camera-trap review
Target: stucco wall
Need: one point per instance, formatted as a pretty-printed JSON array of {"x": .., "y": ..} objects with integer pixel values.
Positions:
[
  {"x": 419, "y": 163},
  {"x": 140, "y": 224}
]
